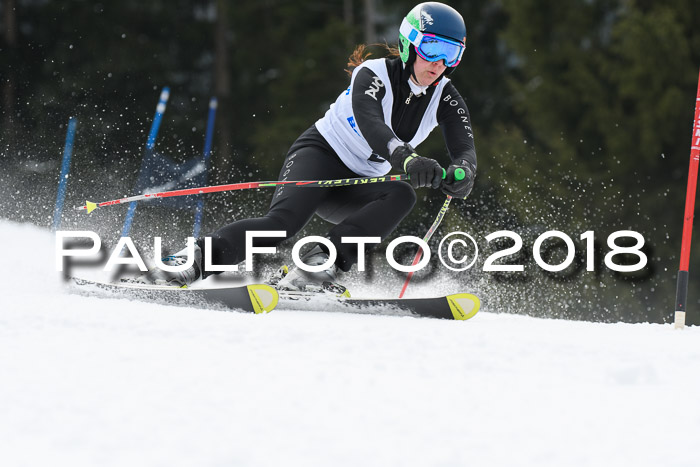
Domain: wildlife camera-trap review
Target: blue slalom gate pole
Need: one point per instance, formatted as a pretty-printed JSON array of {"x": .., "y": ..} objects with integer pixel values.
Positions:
[
  {"x": 150, "y": 143},
  {"x": 65, "y": 170},
  {"x": 207, "y": 153}
]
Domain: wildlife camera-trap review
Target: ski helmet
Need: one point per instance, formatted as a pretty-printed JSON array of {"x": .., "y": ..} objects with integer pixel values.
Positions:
[{"x": 433, "y": 18}]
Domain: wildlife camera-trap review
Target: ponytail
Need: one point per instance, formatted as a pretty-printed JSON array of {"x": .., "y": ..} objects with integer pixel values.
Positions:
[{"x": 361, "y": 54}]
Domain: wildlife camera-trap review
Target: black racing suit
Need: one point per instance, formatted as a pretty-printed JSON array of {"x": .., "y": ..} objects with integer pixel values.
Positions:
[{"x": 372, "y": 210}]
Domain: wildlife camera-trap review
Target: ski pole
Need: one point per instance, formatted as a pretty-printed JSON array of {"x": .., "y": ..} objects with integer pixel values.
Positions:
[
  {"x": 90, "y": 206},
  {"x": 459, "y": 175}
]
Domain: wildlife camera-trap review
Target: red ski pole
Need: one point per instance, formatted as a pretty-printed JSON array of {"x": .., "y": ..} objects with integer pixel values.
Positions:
[
  {"x": 682, "y": 283},
  {"x": 90, "y": 206},
  {"x": 459, "y": 175},
  {"x": 429, "y": 234}
]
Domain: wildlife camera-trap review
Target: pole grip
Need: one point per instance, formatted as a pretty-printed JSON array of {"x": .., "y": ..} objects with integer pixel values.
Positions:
[{"x": 459, "y": 174}]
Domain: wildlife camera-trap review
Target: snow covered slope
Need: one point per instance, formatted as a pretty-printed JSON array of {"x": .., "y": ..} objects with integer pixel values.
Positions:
[{"x": 90, "y": 382}]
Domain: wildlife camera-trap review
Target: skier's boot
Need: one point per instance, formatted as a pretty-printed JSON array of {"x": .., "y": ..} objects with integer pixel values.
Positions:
[
  {"x": 182, "y": 279},
  {"x": 275, "y": 279},
  {"x": 298, "y": 280}
]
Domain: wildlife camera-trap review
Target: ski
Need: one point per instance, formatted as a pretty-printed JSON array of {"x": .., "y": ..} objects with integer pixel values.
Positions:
[
  {"x": 261, "y": 298},
  {"x": 255, "y": 298},
  {"x": 459, "y": 306}
]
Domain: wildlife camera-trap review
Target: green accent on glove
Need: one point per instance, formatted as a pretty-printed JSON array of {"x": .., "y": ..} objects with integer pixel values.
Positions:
[{"x": 409, "y": 159}]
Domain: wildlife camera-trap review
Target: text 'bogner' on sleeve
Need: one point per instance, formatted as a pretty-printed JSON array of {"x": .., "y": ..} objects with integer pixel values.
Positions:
[{"x": 455, "y": 122}]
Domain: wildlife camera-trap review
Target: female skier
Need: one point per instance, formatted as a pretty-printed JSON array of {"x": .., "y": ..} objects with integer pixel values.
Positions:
[{"x": 390, "y": 107}]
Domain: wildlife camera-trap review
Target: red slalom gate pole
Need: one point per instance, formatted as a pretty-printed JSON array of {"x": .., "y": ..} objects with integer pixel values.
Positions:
[{"x": 682, "y": 283}]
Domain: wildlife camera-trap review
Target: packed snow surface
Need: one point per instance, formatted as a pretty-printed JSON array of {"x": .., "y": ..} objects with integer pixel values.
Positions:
[{"x": 105, "y": 382}]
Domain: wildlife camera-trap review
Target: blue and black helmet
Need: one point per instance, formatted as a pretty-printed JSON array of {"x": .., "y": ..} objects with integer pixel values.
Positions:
[{"x": 436, "y": 32}]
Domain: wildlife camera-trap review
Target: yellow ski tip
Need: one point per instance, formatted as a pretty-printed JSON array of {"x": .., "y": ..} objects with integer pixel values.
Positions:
[
  {"x": 263, "y": 297},
  {"x": 463, "y": 305},
  {"x": 90, "y": 206}
]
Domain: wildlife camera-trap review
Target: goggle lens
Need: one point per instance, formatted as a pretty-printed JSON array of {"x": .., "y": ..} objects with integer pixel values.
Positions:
[{"x": 433, "y": 48}]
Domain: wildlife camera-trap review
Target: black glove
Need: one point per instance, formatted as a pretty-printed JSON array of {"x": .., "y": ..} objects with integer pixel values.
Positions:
[
  {"x": 422, "y": 171},
  {"x": 459, "y": 188}
]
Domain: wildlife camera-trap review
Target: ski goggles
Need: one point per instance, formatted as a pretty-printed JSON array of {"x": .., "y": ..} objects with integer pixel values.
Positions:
[{"x": 433, "y": 48}]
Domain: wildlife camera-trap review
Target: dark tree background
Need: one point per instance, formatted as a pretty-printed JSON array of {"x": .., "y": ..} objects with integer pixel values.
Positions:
[{"x": 582, "y": 112}]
